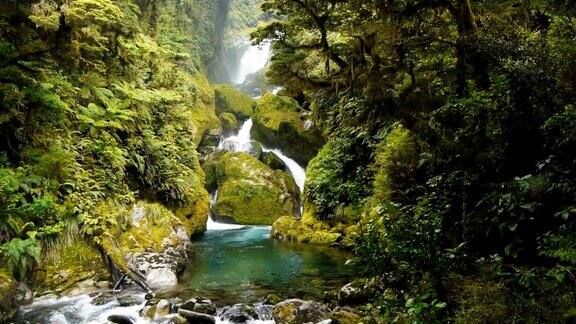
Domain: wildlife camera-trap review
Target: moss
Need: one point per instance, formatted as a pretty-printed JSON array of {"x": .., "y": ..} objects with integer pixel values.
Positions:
[
  {"x": 278, "y": 122},
  {"x": 231, "y": 100},
  {"x": 249, "y": 192},
  {"x": 395, "y": 163},
  {"x": 202, "y": 115},
  {"x": 306, "y": 230},
  {"x": 8, "y": 303},
  {"x": 229, "y": 123},
  {"x": 70, "y": 264}
]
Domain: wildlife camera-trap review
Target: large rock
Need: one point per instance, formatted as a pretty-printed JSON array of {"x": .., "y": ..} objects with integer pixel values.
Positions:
[
  {"x": 280, "y": 123},
  {"x": 229, "y": 123},
  {"x": 297, "y": 311},
  {"x": 8, "y": 302},
  {"x": 249, "y": 192},
  {"x": 230, "y": 100},
  {"x": 156, "y": 244}
]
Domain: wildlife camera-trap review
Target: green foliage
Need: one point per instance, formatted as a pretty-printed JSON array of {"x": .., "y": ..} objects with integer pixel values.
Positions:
[{"x": 20, "y": 255}]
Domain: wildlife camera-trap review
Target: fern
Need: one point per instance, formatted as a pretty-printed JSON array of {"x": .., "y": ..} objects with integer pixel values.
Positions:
[{"x": 20, "y": 255}]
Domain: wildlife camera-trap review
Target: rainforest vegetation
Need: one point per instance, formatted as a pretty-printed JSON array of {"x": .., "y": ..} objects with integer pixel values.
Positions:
[{"x": 442, "y": 151}]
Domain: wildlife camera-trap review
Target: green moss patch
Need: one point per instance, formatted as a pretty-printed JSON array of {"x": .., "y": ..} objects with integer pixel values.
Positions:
[{"x": 230, "y": 100}]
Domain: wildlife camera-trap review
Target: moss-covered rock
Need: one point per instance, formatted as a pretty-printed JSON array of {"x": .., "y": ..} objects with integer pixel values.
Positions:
[
  {"x": 249, "y": 192},
  {"x": 69, "y": 267},
  {"x": 202, "y": 115},
  {"x": 278, "y": 122},
  {"x": 155, "y": 240},
  {"x": 229, "y": 123},
  {"x": 231, "y": 100},
  {"x": 273, "y": 161},
  {"x": 8, "y": 303},
  {"x": 308, "y": 229}
]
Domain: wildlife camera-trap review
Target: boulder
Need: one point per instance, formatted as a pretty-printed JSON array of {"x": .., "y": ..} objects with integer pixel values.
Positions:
[
  {"x": 200, "y": 305},
  {"x": 249, "y": 192},
  {"x": 196, "y": 318},
  {"x": 255, "y": 149},
  {"x": 156, "y": 244},
  {"x": 228, "y": 99},
  {"x": 229, "y": 123},
  {"x": 296, "y": 311},
  {"x": 212, "y": 137},
  {"x": 280, "y": 123},
  {"x": 8, "y": 302},
  {"x": 239, "y": 313}
]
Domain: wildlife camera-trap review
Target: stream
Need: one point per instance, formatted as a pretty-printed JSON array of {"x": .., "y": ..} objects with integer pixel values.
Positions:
[{"x": 231, "y": 263}]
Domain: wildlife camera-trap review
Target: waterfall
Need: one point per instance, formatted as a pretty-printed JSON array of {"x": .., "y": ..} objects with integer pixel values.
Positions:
[
  {"x": 239, "y": 142},
  {"x": 253, "y": 60}
]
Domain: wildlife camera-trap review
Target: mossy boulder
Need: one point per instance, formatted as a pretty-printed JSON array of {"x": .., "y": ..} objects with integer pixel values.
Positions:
[
  {"x": 154, "y": 241},
  {"x": 230, "y": 100},
  {"x": 229, "y": 123},
  {"x": 249, "y": 192},
  {"x": 8, "y": 302},
  {"x": 279, "y": 123},
  {"x": 308, "y": 229},
  {"x": 273, "y": 161},
  {"x": 72, "y": 266}
]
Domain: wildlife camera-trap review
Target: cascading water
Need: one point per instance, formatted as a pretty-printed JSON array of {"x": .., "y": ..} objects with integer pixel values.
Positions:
[{"x": 252, "y": 61}]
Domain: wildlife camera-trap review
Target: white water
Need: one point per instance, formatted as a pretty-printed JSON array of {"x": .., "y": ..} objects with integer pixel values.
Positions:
[
  {"x": 253, "y": 60},
  {"x": 241, "y": 143},
  {"x": 79, "y": 309}
]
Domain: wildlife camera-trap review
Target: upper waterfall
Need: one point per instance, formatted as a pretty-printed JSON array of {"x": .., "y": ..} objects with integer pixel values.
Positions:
[{"x": 253, "y": 60}]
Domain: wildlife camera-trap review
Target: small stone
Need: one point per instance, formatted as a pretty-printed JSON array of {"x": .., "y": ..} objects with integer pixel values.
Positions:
[
  {"x": 102, "y": 298},
  {"x": 196, "y": 318},
  {"x": 296, "y": 311},
  {"x": 162, "y": 308},
  {"x": 121, "y": 319},
  {"x": 200, "y": 304},
  {"x": 344, "y": 315},
  {"x": 272, "y": 299}
]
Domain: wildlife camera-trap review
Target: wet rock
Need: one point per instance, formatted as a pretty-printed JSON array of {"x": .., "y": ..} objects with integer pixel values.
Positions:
[
  {"x": 129, "y": 300},
  {"x": 196, "y": 318},
  {"x": 273, "y": 161},
  {"x": 179, "y": 320},
  {"x": 296, "y": 311},
  {"x": 23, "y": 293},
  {"x": 200, "y": 305},
  {"x": 121, "y": 319},
  {"x": 162, "y": 308},
  {"x": 102, "y": 298},
  {"x": 239, "y": 313},
  {"x": 255, "y": 149},
  {"x": 212, "y": 137},
  {"x": 229, "y": 123}
]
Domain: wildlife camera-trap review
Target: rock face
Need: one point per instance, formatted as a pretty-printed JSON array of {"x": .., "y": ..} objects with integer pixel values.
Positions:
[
  {"x": 249, "y": 192},
  {"x": 296, "y": 311},
  {"x": 230, "y": 100},
  {"x": 279, "y": 123},
  {"x": 155, "y": 245},
  {"x": 229, "y": 123},
  {"x": 8, "y": 302},
  {"x": 273, "y": 161}
]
